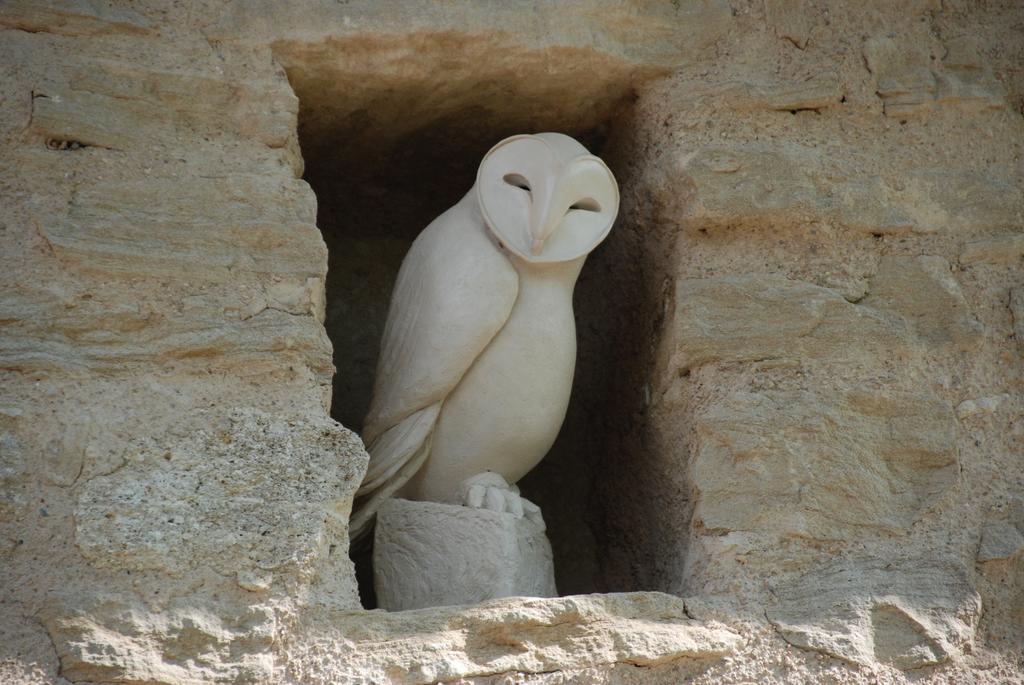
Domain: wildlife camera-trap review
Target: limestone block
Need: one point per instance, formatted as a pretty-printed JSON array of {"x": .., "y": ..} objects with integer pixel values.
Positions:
[
  {"x": 253, "y": 494},
  {"x": 763, "y": 92},
  {"x": 251, "y": 104},
  {"x": 128, "y": 642},
  {"x": 1017, "y": 312},
  {"x": 791, "y": 19},
  {"x": 826, "y": 464},
  {"x": 1002, "y": 535},
  {"x": 89, "y": 119},
  {"x": 505, "y": 636},
  {"x": 783, "y": 184},
  {"x": 961, "y": 201},
  {"x": 195, "y": 226},
  {"x": 906, "y": 613},
  {"x": 970, "y": 90},
  {"x": 765, "y": 316},
  {"x": 1002, "y": 250},
  {"x": 428, "y": 554},
  {"x": 980, "y": 406},
  {"x": 188, "y": 547},
  {"x": 908, "y": 86},
  {"x": 923, "y": 290},
  {"x": 104, "y": 329},
  {"x": 643, "y": 33},
  {"x": 1000, "y": 540},
  {"x": 816, "y": 93},
  {"x": 73, "y": 18},
  {"x": 26, "y": 653},
  {"x": 945, "y": 200},
  {"x": 905, "y": 81},
  {"x": 967, "y": 81},
  {"x": 741, "y": 189}
]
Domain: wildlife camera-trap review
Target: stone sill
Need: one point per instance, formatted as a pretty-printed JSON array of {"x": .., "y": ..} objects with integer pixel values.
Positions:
[{"x": 519, "y": 634}]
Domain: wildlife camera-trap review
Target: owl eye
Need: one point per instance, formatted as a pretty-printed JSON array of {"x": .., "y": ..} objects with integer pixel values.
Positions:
[
  {"x": 587, "y": 204},
  {"x": 517, "y": 180}
]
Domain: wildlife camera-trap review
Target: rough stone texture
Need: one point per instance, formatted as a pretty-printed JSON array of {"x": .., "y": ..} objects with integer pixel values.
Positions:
[
  {"x": 908, "y": 614},
  {"x": 817, "y": 367},
  {"x": 251, "y": 496},
  {"x": 173, "y": 494},
  {"x": 510, "y": 637},
  {"x": 758, "y": 454},
  {"x": 427, "y": 554},
  {"x": 798, "y": 397}
]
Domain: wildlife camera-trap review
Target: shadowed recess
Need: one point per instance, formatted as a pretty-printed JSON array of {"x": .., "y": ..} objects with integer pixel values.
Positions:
[{"x": 388, "y": 151}]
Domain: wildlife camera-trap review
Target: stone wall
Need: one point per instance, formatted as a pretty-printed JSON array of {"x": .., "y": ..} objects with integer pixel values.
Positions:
[
  {"x": 798, "y": 408},
  {"x": 825, "y": 418}
]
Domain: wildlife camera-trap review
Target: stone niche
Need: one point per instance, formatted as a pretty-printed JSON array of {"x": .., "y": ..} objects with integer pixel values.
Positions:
[{"x": 392, "y": 136}]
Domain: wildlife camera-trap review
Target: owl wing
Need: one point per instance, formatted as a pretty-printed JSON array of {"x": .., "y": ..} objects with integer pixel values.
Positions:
[{"x": 454, "y": 292}]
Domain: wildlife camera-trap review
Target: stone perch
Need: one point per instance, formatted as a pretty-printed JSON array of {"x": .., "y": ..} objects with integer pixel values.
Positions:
[{"x": 431, "y": 554}]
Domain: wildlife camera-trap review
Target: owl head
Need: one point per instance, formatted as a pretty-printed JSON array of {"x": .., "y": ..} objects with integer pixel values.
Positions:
[{"x": 545, "y": 197}]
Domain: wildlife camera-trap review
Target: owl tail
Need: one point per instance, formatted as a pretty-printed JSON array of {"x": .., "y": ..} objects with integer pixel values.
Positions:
[{"x": 395, "y": 457}]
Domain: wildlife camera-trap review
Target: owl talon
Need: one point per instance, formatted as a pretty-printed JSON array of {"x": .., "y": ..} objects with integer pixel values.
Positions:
[
  {"x": 494, "y": 499},
  {"x": 514, "y": 504},
  {"x": 532, "y": 513},
  {"x": 475, "y": 496},
  {"x": 490, "y": 491}
]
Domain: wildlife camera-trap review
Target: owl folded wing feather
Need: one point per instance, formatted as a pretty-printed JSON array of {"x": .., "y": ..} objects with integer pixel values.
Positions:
[{"x": 454, "y": 292}]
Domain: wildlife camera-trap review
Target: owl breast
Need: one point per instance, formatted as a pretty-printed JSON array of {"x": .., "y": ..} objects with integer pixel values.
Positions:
[{"x": 508, "y": 408}]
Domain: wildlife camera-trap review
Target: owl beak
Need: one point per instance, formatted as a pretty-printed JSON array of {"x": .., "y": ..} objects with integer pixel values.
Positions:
[
  {"x": 548, "y": 209},
  {"x": 547, "y": 229}
]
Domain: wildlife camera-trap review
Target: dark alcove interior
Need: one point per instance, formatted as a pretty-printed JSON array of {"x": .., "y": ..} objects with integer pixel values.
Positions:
[{"x": 384, "y": 159}]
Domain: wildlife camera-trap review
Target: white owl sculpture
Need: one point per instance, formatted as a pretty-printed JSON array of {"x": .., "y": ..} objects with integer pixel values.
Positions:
[{"x": 479, "y": 349}]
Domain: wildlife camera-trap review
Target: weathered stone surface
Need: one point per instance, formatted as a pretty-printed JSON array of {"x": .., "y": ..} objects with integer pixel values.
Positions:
[
  {"x": 1000, "y": 560},
  {"x": 27, "y": 656},
  {"x": 643, "y": 33},
  {"x": 507, "y": 636},
  {"x": 88, "y": 119},
  {"x": 791, "y": 19},
  {"x": 1004, "y": 250},
  {"x": 967, "y": 82},
  {"x": 573, "y": 68},
  {"x": 72, "y": 18},
  {"x": 100, "y": 329},
  {"x": 1017, "y": 313},
  {"x": 810, "y": 316},
  {"x": 1002, "y": 536},
  {"x": 923, "y": 290},
  {"x": 730, "y": 185},
  {"x": 251, "y": 507},
  {"x": 907, "y": 615},
  {"x": 427, "y": 554},
  {"x": 268, "y": 491},
  {"x": 131, "y": 643},
  {"x": 148, "y": 228},
  {"x": 1000, "y": 540},
  {"x": 749, "y": 93},
  {"x": 262, "y": 107},
  {"x": 909, "y": 86},
  {"x": 767, "y": 316},
  {"x": 781, "y": 462},
  {"x": 906, "y": 84},
  {"x": 980, "y": 405}
]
